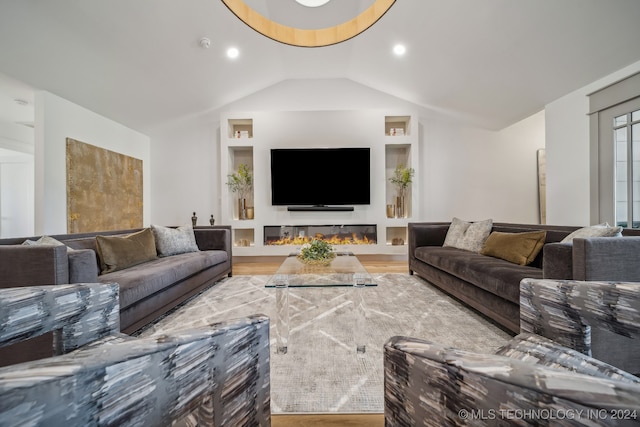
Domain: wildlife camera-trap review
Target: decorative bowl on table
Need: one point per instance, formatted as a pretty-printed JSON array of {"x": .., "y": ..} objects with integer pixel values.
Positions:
[{"x": 318, "y": 252}]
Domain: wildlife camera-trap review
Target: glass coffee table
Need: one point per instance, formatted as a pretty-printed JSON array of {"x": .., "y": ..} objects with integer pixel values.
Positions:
[{"x": 345, "y": 270}]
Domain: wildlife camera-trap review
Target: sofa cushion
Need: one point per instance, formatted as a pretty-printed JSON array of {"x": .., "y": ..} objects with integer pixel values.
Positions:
[
  {"x": 469, "y": 236},
  {"x": 144, "y": 280},
  {"x": 173, "y": 241},
  {"x": 600, "y": 230},
  {"x": 117, "y": 253},
  {"x": 518, "y": 248},
  {"x": 494, "y": 275}
]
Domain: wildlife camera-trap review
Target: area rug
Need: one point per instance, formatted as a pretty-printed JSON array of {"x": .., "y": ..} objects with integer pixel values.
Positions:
[{"x": 322, "y": 372}]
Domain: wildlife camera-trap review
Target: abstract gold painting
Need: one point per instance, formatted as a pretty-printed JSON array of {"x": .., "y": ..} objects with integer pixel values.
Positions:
[{"x": 104, "y": 189}]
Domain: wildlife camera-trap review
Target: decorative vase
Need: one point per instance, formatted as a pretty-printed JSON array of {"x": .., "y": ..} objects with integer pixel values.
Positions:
[
  {"x": 194, "y": 219},
  {"x": 401, "y": 211},
  {"x": 249, "y": 211},
  {"x": 212, "y": 220},
  {"x": 242, "y": 208}
]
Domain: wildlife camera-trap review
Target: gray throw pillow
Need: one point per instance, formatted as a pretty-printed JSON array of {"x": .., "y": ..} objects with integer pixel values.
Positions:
[
  {"x": 45, "y": 241},
  {"x": 469, "y": 236},
  {"x": 600, "y": 230},
  {"x": 174, "y": 241}
]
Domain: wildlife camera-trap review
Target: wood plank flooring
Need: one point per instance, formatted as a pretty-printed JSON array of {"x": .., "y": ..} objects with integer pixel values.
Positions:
[
  {"x": 258, "y": 267},
  {"x": 327, "y": 420},
  {"x": 248, "y": 266}
]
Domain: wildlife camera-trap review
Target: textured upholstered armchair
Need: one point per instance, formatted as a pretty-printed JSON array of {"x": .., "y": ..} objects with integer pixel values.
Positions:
[
  {"x": 211, "y": 376},
  {"x": 532, "y": 380}
]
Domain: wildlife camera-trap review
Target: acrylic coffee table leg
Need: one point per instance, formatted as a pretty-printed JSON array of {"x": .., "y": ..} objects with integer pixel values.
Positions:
[
  {"x": 282, "y": 315},
  {"x": 359, "y": 313}
]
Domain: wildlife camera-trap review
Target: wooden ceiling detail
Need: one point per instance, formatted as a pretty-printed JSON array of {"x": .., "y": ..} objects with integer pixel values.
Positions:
[{"x": 309, "y": 38}]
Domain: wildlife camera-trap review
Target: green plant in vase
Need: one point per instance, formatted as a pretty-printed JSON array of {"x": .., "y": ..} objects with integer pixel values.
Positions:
[
  {"x": 402, "y": 177},
  {"x": 317, "y": 252},
  {"x": 241, "y": 182}
]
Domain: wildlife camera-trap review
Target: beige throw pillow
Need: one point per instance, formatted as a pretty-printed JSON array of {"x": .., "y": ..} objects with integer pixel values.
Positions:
[
  {"x": 600, "y": 230},
  {"x": 518, "y": 248},
  {"x": 469, "y": 236},
  {"x": 118, "y": 252}
]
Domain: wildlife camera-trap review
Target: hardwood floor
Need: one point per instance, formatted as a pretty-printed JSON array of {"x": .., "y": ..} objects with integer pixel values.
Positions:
[
  {"x": 327, "y": 420},
  {"x": 249, "y": 266}
]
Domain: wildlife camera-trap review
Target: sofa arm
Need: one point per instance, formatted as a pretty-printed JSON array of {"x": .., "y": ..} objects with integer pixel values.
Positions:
[
  {"x": 430, "y": 384},
  {"x": 425, "y": 234},
  {"x": 218, "y": 374},
  {"x": 557, "y": 261},
  {"x": 83, "y": 266},
  {"x": 214, "y": 238},
  {"x": 22, "y": 265},
  {"x": 79, "y": 314},
  {"x": 607, "y": 258},
  {"x": 565, "y": 310}
]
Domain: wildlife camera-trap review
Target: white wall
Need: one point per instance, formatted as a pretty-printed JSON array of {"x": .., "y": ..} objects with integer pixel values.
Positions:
[
  {"x": 16, "y": 180},
  {"x": 16, "y": 194},
  {"x": 468, "y": 172},
  {"x": 185, "y": 173},
  {"x": 57, "y": 119},
  {"x": 567, "y": 136},
  {"x": 476, "y": 174}
]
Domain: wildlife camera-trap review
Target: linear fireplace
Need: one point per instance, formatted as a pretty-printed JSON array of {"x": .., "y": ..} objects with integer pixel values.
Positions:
[{"x": 351, "y": 234}]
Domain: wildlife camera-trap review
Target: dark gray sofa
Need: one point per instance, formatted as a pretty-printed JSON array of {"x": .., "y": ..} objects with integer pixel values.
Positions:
[
  {"x": 147, "y": 290},
  {"x": 491, "y": 285}
]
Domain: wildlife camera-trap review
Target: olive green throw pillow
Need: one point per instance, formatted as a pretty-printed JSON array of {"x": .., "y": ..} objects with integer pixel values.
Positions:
[
  {"x": 118, "y": 252},
  {"x": 518, "y": 248}
]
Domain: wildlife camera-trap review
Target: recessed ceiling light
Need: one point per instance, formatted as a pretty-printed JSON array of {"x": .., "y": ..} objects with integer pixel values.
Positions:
[
  {"x": 313, "y": 3},
  {"x": 233, "y": 52},
  {"x": 399, "y": 49}
]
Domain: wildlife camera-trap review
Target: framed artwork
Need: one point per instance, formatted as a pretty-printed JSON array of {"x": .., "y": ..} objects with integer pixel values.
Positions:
[
  {"x": 104, "y": 189},
  {"x": 542, "y": 184}
]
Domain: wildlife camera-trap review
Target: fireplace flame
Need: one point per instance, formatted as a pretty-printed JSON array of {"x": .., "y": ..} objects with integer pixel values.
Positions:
[{"x": 334, "y": 239}]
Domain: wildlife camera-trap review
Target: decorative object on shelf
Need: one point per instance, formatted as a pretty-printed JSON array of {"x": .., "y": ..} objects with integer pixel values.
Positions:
[
  {"x": 241, "y": 182},
  {"x": 397, "y": 241},
  {"x": 194, "y": 219},
  {"x": 318, "y": 252},
  {"x": 249, "y": 212},
  {"x": 391, "y": 211},
  {"x": 212, "y": 220},
  {"x": 402, "y": 177},
  {"x": 309, "y": 37}
]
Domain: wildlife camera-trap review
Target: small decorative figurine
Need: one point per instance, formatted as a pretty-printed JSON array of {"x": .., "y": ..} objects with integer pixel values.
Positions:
[
  {"x": 212, "y": 220},
  {"x": 194, "y": 219}
]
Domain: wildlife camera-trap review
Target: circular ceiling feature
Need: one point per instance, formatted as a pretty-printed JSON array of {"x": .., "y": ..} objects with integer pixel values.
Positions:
[{"x": 309, "y": 38}]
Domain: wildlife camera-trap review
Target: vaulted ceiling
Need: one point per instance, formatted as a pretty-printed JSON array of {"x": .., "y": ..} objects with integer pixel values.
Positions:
[{"x": 488, "y": 62}]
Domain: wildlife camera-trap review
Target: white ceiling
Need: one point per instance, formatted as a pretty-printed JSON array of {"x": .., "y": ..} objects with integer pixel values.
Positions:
[{"x": 489, "y": 62}]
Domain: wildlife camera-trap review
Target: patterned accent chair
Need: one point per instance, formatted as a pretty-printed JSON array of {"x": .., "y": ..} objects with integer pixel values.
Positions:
[
  {"x": 543, "y": 376},
  {"x": 211, "y": 376}
]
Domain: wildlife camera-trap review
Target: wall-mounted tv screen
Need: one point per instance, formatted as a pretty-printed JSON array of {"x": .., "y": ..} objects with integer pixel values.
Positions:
[{"x": 320, "y": 176}]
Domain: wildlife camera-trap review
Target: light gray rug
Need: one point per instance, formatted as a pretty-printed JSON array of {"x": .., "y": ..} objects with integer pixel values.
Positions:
[{"x": 322, "y": 372}]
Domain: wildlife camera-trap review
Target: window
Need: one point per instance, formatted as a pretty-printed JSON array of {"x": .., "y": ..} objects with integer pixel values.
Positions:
[
  {"x": 614, "y": 134},
  {"x": 626, "y": 138}
]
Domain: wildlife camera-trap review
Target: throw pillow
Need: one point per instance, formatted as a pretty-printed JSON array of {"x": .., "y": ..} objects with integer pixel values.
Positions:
[
  {"x": 118, "y": 252},
  {"x": 469, "y": 236},
  {"x": 173, "y": 241},
  {"x": 45, "y": 241},
  {"x": 600, "y": 230},
  {"x": 518, "y": 248}
]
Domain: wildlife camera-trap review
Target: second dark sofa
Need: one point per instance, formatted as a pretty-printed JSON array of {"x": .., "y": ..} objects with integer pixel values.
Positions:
[{"x": 491, "y": 285}]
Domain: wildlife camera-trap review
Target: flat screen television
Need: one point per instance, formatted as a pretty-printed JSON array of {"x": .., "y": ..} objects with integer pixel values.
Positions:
[{"x": 320, "y": 176}]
